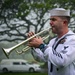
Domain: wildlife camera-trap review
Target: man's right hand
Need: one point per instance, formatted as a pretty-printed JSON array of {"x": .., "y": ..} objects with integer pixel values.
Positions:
[{"x": 34, "y": 42}]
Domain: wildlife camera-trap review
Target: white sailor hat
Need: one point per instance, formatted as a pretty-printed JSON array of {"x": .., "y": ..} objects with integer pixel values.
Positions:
[{"x": 59, "y": 12}]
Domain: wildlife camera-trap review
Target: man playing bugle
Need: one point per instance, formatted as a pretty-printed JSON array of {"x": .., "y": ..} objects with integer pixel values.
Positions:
[{"x": 60, "y": 52}]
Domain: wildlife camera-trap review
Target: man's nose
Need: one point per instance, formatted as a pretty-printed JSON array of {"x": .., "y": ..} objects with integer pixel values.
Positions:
[{"x": 51, "y": 23}]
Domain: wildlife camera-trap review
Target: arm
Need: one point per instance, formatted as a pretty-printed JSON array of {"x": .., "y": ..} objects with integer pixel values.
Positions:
[
  {"x": 38, "y": 54},
  {"x": 35, "y": 43}
]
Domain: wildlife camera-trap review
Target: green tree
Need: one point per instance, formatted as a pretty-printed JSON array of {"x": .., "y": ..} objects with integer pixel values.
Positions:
[{"x": 18, "y": 17}]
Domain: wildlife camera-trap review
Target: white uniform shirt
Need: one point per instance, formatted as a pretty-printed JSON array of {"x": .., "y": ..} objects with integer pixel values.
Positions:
[{"x": 62, "y": 58}]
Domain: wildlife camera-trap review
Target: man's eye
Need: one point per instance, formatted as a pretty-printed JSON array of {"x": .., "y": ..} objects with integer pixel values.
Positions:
[{"x": 53, "y": 19}]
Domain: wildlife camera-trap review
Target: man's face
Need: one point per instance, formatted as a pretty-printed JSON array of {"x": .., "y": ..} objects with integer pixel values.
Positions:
[{"x": 56, "y": 24}]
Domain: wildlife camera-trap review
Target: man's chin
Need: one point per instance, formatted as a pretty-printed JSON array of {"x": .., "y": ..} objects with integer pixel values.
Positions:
[{"x": 54, "y": 31}]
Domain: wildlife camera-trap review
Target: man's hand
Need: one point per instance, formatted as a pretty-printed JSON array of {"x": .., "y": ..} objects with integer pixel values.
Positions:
[{"x": 34, "y": 42}]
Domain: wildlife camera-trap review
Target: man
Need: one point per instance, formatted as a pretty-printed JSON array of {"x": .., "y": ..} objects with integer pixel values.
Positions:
[{"x": 60, "y": 52}]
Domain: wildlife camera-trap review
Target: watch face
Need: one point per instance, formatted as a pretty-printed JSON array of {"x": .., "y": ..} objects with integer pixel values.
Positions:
[{"x": 41, "y": 46}]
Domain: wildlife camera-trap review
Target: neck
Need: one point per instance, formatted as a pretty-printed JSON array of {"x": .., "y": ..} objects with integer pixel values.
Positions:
[{"x": 62, "y": 33}]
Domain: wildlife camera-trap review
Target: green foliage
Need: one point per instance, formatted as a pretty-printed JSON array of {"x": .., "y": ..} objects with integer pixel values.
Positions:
[{"x": 21, "y": 9}]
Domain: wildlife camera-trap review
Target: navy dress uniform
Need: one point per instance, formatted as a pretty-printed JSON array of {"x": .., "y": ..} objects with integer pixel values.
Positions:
[{"x": 60, "y": 52}]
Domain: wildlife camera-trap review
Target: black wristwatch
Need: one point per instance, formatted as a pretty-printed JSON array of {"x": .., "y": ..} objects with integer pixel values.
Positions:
[{"x": 42, "y": 46}]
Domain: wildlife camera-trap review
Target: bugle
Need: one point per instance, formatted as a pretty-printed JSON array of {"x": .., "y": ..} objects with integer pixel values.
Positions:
[
  {"x": 9, "y": 50},
  {"x": 27, "y": 47}
]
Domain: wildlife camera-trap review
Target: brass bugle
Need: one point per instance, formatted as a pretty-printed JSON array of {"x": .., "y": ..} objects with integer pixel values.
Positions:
[
  {"x": 9, "y": 50},
  {"x": 27, "y": 47}
]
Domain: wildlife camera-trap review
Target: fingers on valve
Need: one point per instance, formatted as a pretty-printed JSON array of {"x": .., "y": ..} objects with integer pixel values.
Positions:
[{"x": 30, "y": 34}]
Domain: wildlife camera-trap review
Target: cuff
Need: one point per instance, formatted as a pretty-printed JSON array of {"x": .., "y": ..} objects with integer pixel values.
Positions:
[{"x": 43, "y": 47}]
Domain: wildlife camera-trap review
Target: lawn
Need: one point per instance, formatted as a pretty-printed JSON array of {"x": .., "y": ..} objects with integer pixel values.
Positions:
[{"x": 23, "y": 73}]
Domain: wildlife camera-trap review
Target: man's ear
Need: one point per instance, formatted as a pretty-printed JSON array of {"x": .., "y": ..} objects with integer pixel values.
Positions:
[{"x": 65, "y": 22}]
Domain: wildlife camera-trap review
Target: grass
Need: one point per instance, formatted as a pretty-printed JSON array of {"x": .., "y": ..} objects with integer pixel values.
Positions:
[{"x": 23, "y": 73}]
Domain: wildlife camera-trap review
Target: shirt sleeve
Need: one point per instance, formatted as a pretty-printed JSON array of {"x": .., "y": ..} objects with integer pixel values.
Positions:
[
  {"x": 38, "y": 55},
  {"x": 63, "y": 58}
]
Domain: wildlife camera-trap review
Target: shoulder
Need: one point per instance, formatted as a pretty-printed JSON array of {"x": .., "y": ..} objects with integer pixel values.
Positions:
[{"x": 70, "y": 37}]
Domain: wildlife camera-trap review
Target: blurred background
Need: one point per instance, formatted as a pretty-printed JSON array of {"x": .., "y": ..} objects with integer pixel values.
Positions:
[{"x": 18, "y": 17}]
